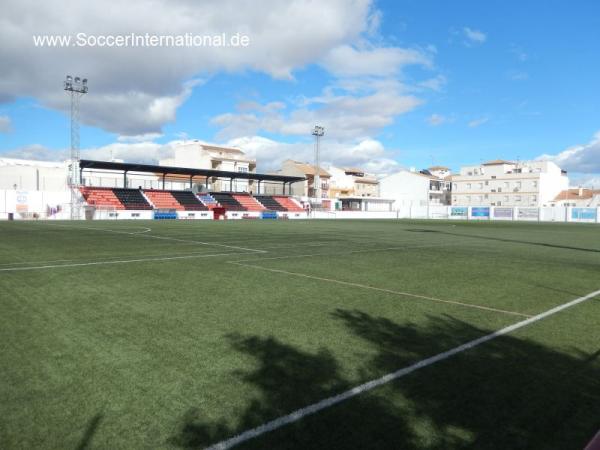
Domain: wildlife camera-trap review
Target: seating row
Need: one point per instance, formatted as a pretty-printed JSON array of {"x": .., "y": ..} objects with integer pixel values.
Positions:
[{"x": 121, "y": 198}]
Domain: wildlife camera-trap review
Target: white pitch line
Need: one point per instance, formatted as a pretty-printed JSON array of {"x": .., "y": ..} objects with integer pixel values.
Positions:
[
  {"x": 123, "y": 261},
  {"x": 334, "y": 400},
  {"x": 159, "y": 237},
  {"x": 388, "y": 291},
  {"x": 372, "y": 250}
]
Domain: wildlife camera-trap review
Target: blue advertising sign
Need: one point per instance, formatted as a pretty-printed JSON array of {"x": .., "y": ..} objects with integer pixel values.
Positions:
[
  {"x": 480, "y": 212},
  {"x": 459, "y": 211},
  {"x": 583, "y": 214}
]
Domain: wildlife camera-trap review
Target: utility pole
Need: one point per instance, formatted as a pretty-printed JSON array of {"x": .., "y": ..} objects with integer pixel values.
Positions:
[
  {"x": 76, "y": 88},
  {"x": 318, "y": 133}
]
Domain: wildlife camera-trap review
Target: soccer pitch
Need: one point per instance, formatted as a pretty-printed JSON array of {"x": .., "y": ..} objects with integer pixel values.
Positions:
[{"x": 185, "y": 334}]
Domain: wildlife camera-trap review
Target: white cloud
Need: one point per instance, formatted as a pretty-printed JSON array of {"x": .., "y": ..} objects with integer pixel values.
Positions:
[
  {"x": 590, "y": 181},
  {"x": 517, "y": 75},
  {"x": 343, "y": 116},
  {"x": 137, "y": 90},
  {"x": 142, "y": 137},
  {"x": 36, "y": 152},
  {"x": 436, "y": 83},
  {"x": 348, "y": 61},
  {"x": 368, "y": 153},
  {"x": 436, "y": 119},
  {"x": 583, "y": 158},
  {"x": 142, "y": 152},
  {"x": 519, "y": 53},
  {"x": 5, "y": 124},
  {"x": 478, "y": 122},
  {"x": 474, "y": 36}
]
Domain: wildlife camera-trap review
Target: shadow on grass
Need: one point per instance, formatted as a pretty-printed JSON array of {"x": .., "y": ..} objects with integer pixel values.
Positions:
[
  {"x": 510, "y": 393},
  {"x": 90, "y": 431},
  {"x": 498, "y": 239}
]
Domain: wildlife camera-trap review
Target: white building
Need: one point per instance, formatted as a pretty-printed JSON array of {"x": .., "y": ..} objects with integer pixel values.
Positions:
[
  {"x": 430, "y": 187},
  {"x": 506, "y": 183},
  {"x": 27, "y": 175},
  {"x": 406, "y": 188},
  {"x": 352, "y": 182},
  {"x": 580, "y": 197},
  {"x": 198, "y": 155}
]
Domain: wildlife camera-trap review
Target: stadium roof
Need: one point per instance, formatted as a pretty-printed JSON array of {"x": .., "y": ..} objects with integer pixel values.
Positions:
[{"x": 167, "y": 170}]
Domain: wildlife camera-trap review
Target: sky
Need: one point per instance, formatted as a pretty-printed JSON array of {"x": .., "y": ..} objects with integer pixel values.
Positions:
[{"x": 395, "y": 84}]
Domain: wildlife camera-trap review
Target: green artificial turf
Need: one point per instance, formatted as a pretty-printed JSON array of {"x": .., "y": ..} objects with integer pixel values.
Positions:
[{"x": 180, "y": 334}]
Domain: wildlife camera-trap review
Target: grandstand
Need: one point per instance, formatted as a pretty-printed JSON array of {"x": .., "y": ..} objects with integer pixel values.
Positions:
[{"x": 166, "y": 203}]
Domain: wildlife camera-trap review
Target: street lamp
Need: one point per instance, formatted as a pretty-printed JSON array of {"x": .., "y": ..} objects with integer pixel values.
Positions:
[
  {"x": 76, "y": 88},
  {"x": 318, "y": 133}
]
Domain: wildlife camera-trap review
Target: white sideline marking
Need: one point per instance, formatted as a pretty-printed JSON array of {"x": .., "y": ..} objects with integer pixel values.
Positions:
[
  {"x": 331, "y": 401},
  {"x": 123, "y": 261},
  {"x": 388, "y": 291},
  {"x": 159, "y": 237},
  {"x": 373, "y": 250},
  {"x": 108, "y": 257}
]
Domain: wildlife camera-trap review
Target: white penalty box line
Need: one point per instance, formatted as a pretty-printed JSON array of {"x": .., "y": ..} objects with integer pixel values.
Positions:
[
  {"x": 370, "y": 385},
  {"x": 122, "y": 261},
  {"x": 153, "y": 236}
]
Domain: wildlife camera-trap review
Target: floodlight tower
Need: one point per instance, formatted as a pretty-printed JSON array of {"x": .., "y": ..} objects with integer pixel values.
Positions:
[
  {"x": 318, "y": 133},
  {"x": 76, "y": 88}
]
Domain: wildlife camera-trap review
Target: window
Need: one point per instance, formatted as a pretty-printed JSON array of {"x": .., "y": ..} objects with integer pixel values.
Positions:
[
  {"x": 506, "y": 198},
  {"x": 468, "y": 185},
  {"x": 517, "y": 198},
  {"x": 480, "y": 186},
  {"x": 506, "y": 185},
  {"x": 518, "y": 184},
  {"x": 454, "y": 186},
  {"x": 487, "y": 183},
  {"x": 486, "y": 196},
  {"x": 243, "y": 169},
  {"x": 535, "y": 184}
]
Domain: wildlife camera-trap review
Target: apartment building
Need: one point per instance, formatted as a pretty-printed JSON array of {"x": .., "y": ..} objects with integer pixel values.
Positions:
[
  {"x": 352, "y": 182},
  {"x": 306, "y": 189},
  {"x": 198, "y": 155},
  {"x": 507, "y": 183},
  {"x": 440, "y": 185}
]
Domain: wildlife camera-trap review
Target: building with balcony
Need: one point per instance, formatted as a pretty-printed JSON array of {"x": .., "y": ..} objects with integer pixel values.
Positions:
[
  {"x": 198, "y": 155},
  {"x": 352, "y": 182},
  {"x": 307, "y": 189},
  {"x": 506, "y": 183}
]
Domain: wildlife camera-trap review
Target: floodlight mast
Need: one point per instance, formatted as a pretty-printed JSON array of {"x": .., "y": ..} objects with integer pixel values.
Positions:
[
  {"x": 76, "y": 88},
  {"x": 318, "y": 133}
]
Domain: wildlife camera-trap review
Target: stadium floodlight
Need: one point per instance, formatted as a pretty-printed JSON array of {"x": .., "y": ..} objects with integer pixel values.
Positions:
[
  {"x": 318, "y": 133},
  {"x": 76, "y": 88}
]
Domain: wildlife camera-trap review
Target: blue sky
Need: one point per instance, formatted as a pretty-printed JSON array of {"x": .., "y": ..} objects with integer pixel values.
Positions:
[{"x": 395, "y": 83}]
